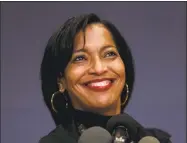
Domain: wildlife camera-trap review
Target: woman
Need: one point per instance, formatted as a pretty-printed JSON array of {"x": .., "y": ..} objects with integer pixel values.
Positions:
[{"x": 87, "y": 76}]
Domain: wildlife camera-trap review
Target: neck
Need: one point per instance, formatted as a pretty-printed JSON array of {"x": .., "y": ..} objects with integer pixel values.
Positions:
[
  {"x": 90, "y": 119},
  {"x": 110, "y": 111}
]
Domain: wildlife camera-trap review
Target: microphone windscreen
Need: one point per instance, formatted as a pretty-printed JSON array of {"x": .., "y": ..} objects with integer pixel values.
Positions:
[
  {"x": 95, "y": 135},
  {"x": 126, "y": 121},
  {"x": 149, "y": 139}
]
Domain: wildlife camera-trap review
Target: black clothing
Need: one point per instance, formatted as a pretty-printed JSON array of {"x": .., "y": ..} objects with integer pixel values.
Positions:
[{"x": 88, "y": 119}]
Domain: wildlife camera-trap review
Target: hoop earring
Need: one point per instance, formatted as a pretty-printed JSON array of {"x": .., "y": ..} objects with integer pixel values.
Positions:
[
  {"x": 52, "y": 98},
  {"x": 127, "y": 95}
]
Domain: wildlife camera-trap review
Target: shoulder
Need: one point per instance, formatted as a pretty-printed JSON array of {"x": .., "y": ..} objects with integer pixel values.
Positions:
[
  {"x": 161, "y": 135},
  {"x": 58, "y": 135}
]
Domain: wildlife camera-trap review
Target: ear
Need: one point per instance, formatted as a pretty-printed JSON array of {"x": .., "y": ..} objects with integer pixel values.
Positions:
[{"x": 61, "y": 84}]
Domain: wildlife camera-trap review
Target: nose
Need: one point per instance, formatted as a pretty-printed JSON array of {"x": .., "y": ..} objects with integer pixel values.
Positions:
[{"x": 98, "y": 67}]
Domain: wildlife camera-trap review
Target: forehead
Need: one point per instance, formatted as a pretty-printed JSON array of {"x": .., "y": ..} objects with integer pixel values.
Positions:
[{"x": 96, "y": 35}]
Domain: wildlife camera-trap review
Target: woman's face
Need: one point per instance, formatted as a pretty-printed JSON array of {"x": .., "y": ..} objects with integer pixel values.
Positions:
[{"x": 95, "y": 75}]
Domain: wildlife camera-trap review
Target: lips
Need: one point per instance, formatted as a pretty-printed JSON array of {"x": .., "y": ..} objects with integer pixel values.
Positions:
[{"x": 100, "y": 84}]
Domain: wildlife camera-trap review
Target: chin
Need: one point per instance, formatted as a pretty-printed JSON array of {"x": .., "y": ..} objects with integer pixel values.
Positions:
[{"x": 103, "y": 106}]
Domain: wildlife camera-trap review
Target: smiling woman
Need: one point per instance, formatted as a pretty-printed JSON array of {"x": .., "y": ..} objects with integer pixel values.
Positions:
[
  {"x": 87, "y": 75},
  {"x": 95, "y": 75}
]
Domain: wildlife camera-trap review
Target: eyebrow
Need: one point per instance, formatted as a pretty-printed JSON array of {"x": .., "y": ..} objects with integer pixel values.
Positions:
[{"x": 102, "y": 49}]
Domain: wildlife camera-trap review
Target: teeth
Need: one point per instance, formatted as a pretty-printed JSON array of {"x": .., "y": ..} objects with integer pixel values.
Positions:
[{"x": 102, "y": 83}]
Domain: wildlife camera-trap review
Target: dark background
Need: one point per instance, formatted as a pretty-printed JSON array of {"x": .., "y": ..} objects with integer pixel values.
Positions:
[{"x": 156, "y": 32}]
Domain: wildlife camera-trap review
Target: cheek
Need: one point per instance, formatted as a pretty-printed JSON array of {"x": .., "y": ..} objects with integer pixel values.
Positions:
[
  {"x": 119, "y": 68},
  {"x": 73, "y": 74}
]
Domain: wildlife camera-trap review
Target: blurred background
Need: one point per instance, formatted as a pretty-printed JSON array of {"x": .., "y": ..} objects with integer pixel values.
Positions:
[{"x": 155, "y": 31}]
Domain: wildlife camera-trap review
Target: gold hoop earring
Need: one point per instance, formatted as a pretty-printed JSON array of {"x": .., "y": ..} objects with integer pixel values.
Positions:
[
  {"x": 127, "y": 95},
  {"x": 52, "y": 98}
]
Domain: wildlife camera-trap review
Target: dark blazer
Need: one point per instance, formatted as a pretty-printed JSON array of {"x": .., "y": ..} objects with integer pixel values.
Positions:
[{"x": 60, "y": 135}]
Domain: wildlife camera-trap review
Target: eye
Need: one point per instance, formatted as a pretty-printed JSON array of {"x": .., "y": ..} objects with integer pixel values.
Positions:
[
  {"x": 110, "y": 54},
  {"x": 79, "y": 58}
]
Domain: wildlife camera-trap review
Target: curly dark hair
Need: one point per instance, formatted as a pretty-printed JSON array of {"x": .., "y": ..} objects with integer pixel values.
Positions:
[{"x": 59, "y": 49}]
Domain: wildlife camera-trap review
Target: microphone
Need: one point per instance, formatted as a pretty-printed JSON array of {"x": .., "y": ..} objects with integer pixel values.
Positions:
[
  {"x": 95, "y": 135},
  {"x": 124, "y": 129},
  {"x": 149, "y": 139}
]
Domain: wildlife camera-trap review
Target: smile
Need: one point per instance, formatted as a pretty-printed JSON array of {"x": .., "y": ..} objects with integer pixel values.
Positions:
[{"x": 100, "y": 85}]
